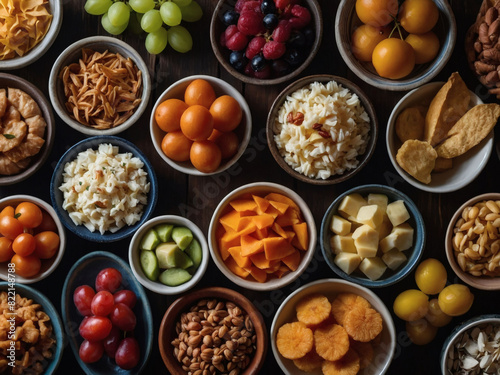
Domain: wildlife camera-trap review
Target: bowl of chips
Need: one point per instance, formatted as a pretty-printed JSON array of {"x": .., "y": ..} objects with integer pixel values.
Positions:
[
  {"x": 333, "y": 326},
  {"x": 94, "y": 109},
  {"x": 440, "y": 136},
  {"x": 35, "y": 25}
]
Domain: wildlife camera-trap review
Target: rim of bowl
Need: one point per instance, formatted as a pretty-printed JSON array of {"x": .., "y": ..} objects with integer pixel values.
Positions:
[
  {"x": 461, "y": 328},
  {"x": 214, "y": 40},
  {"x": 107, "y": 236},
  {"x": 486, "y": 144},
  {"x": 483, "y": 282},
  {"x": 50, "y": 310},
  {"x": 368, "y": 106},
  {"x": 181, "y": 304},
  {"x": 50, "y": 129},
  {"x": 100, "y": 43},
  {"x": 274, "y": 283},
  {"x": 56, "y": 8},
  {"x": 60, "y": 229},
  {"x": 187, "y": 167},
  {"x": 413, "y": 259},
  {"x": 382, "y": 309},
  {"x": 345, "y": 12},
  {"x": 157, "y": 286}
]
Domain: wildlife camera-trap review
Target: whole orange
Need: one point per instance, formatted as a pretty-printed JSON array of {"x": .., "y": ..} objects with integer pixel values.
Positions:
[
  {"x": 205, "y": 156},
  {"x": 226, "y": 112},
  {"x": 393, "y": 58},
  {"x": 199, "y": 92},
  {"x": 376, "y": 12},
  {"x": 197, "y": 123},
  {"x": 176, "y": 146},
  {"x": 168, "y": 114}
]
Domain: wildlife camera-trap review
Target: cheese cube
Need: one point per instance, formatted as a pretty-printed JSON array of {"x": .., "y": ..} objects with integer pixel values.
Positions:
[
  {"x": 380, "y": 200},
  {"x": 339, "y": 225},
  {"x": 388, "y": 242},
  {"x": 373, "y": 268},
  {"x": 397, "y": 212},
  {"x": 341, "y": 244},
  {"x": 366, "y": 241},
  {"x": 404, "y": 233},
  {"x": 385, "y": 228},
  {"x": 394, "y": 258},
  {"x": 347, "y": 262},
  {"x": 371, "y": 215},
  {"x": 350, "y": 205}
]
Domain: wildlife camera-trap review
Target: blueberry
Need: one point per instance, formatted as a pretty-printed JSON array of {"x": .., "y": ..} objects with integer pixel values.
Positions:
[
  {"x": 270, "y": 21},
  {"x": 231, "y": 17},
  {"x": 238, "y": 60},
  {"x": 297, "y": 40},
  {"x": 294, "y": 57},
  {"x": 268, "y": 7},
  {"x": 258, "y": 63}
]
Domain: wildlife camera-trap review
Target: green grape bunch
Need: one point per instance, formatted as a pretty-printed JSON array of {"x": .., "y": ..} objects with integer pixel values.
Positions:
[{"x": 160, "y": 19}]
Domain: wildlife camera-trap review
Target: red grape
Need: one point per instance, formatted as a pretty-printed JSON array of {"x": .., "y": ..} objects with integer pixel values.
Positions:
[
  {"x": 82, "y": 297},
  {"x": 282, "y": 32},
  {"x": 255, "y": 46},
  {"x": 301, "y": 17},
  {"x": 108, "y": 279},
  {"x": 95, "y": 328},
  {"x": 125, "y": 296},
  {"x": 102, "y": 303},
  {"x": 250, "y": 23},
  {"x": 237, "y": 41},
  {"x": 111, "y": 342},
  {"x": 128, "y": 354},
  {"x": 91, "y": 351},
  {"x": 123, "y": 317},
  {"x": 273, "y": 50}
]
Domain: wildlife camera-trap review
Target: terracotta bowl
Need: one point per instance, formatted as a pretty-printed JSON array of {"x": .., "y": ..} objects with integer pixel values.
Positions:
[{"x": 167, "y": 328}]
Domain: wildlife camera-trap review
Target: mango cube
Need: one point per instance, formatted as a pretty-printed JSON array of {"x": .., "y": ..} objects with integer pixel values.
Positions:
[
  {"x": 393, "y": 259},
  {"x": 373, "y": 268},
  {"x": 340, "y": 244},
  {"x": 397, "y": 212},
  {"x": 347, "y": 262},
  {"x": 366, "y": 241},
  {"x": 339, "y": 225},
  {"x": 351, "y": 204},
  {"x": 371, "y": 215}
]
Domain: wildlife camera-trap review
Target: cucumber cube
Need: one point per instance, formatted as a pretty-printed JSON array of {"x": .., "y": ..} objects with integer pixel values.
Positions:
[
  {"x": 150, "y": 240},
  {"x": 182, "y": 237},
  {"x": 174, "y": 276},
  {"x": 149, "y": 264},
  {"x": 164, "y": 232}
]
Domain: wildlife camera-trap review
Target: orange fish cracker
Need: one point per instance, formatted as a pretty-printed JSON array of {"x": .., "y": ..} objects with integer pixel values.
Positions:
[
  {"x": 294, "y": 340},
  {"x": 344, "y": 302},
  {"x": 313, "y": 309},
  {"x": 347, "y": 365},
  {"x": 362, "y": 323},
  {"x": 331, "y": 342}
]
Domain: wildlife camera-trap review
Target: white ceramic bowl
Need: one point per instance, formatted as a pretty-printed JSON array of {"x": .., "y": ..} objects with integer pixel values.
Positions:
[
  {"x": 221, "y": 87},
  {"x": 56, "y": 9},
  {"x": 465, "y": 167},
  {"x": 259, "y": 188},
  {"x": 383, "y": 352},
  {"x": 48, "y": 265},
  {"x": 71, "y": 55},
  {"x": 134, "y": 255}
]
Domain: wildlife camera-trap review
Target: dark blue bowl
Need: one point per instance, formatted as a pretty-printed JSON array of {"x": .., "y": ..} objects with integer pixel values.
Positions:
[
  {"x": 57, "y": 326},
  {"x": 413, "y": 254},
  {"x": 57, "y": 198},
  {"x": 84, "y": 272}
]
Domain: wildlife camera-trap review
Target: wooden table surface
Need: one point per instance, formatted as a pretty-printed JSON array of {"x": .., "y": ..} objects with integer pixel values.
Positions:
[{"x": 202, "y": 194}]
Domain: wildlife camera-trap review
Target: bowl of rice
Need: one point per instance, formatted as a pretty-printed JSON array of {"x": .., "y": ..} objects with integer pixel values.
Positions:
[
  {"x": 103, "y": 189},
  {"x": 322, "y": 129}
]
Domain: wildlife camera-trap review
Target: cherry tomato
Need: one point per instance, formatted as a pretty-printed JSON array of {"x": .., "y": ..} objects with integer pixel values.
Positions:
[
  {"x": 125, "y": 296},
  {"x": 6, "y": 252},
  {"x": 102, "y": 304},
  {"x": 426, "y": 46},
  {"x": 111, "y": 342},
  {"x": 421, "y": 332},
  {"x": 82, "y": 297},
  {"x": 197, "y": 123},
  {"x": 27, "y": 266},
  {"x": 176, "y": 146},
  {"x": 47, "y": 223},
  {"x": 108, "y": 279},
  {"x": 226, "y": 112},
  {"x": 91, "y": 351},
  {"x": 411, "y": 305},
  {"x": 455, "y": 299},
  {"x": 47, "y": 244},
  {"x": 418, "y": 16},
  {"x": 95, "y": 328},
  {"x": 123, "y": 317},
  {"x": 10, "y": 227},
  {"x": 29, "y": 214},
  {"x": 199, "y": 92},
  {"x": 205, "y": 156},
  {"x": 376, "y": 12},
  {"x": 7, "y": 211},
  {"x": 128, "y": 353},
  {"x": 393, "y": 58},
  {"x": 365, "y": 38},
  {"x": 228, "y": 144},
  {"x": 24, "y": 244}
]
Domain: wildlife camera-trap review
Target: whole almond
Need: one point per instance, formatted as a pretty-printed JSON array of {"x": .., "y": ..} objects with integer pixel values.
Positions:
[{"x": 491, "y": 15}]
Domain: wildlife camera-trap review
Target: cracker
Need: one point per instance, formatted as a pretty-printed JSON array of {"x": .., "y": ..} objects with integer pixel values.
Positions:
[
  {"x": 410, "y": 124},
  {"x": 418, "y": 159}
]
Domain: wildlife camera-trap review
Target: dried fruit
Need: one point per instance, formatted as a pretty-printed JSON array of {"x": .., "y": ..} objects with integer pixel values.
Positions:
[
  {"x": 313, "y": 310},
  {"x": 362, "y": 323},
  {"x": 345, "y": 302},
  {"x": 331, "y": 342},
  {"x": 294, "y": 340},
  {"x": 310, "y": 362},
  {"x": 349, "y": 364}
]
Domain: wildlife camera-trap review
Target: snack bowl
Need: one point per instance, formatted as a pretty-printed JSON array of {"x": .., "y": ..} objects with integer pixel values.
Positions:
[
  {"x": 281, "y": 100},
  {"x": 330, "y": 288},
  {"x": 37, "y": 161},
  {"x": 56, "y": 9},
  {"x": 71, "y": 55},
  {"x": 50, "y": 365},
  {"x": 221, "y": 87},
  {"x": 57, "y": 196},
  {"x": 135, "y": 253},
  {"x": 227, "y": 267},
  {"x": 465, "y": 168},
  {"x": 347, "y": 21},
  {"x": 459, "y": 333},
  {"x": 217, "y": 27},
  {"x": 48, "y": 265},
  {"x": 413, "y": 254},
  {"x": 84, "y": 272},
  {"x": 167, "y": 332},
  {"x": 479, "y": 282}
]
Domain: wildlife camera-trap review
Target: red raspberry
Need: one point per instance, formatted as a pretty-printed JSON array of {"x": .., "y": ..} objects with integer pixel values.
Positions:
[
  {"x": 237, "y": 42},
  {"x": 250, "y": 23},
  {"x": 273, "y": 50},
  {"x": 255, "y": 46},
  {"x": 230, "y": 31},
  {"x": 264, "y": 73},
  {"x": 251, "y": 5},
  {"x": 300, "y": 17},
  {"x": 239, "y": 5},
  {"x": 282, "y": 32}
]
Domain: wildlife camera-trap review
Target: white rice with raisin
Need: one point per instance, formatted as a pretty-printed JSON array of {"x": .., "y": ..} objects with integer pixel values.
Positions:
[{"x": 334, "y": 131}]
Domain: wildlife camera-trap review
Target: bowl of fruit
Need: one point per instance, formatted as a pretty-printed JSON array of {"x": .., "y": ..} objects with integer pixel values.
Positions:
[
  {"x": 168, "y": 254},
  {"x": 201, "y": 125},
  {"x": 395, "y": 47},
  {"x": 266, "y": 42}
]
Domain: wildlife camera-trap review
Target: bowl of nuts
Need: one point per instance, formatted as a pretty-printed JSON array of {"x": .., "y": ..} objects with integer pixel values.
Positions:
[
  {"x": 212, "y": 326},
  {"x": 472, "y": 244}
]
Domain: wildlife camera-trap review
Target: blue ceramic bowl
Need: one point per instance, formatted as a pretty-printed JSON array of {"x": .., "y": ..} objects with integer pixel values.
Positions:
[
  {"x": 57, "y": 198},
  {"x": 413, "y": 254},
  {"x": 57, "y": 326},
  {"x": 84, "y": 272}
]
